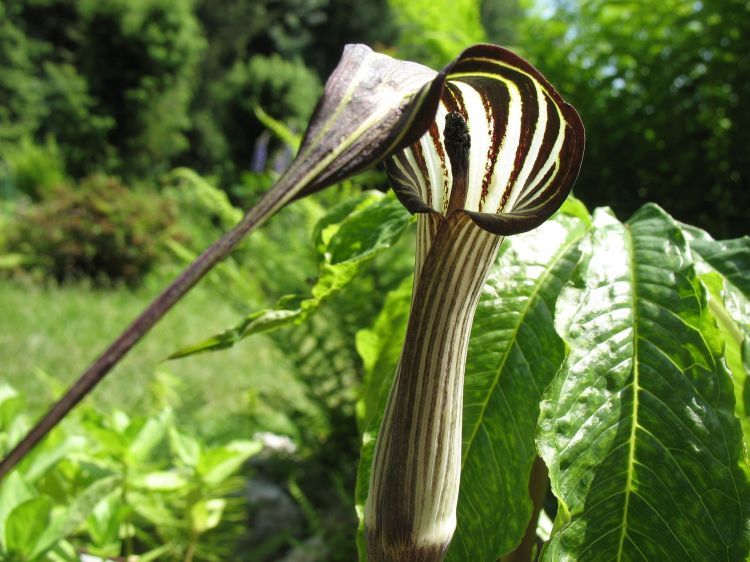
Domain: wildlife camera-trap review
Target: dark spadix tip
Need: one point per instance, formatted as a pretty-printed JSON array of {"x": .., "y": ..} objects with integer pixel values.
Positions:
[
  {"x": 456, "y": 134},
  {"x": 457, "y": 145}
]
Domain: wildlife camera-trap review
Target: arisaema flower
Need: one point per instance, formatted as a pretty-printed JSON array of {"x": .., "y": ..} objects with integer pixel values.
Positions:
[
  {"x": 499, "y": 157},
  {"x": 483, "y": 149}
]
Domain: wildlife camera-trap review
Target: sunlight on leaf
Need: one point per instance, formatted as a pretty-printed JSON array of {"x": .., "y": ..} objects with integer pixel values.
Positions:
[{"x": 638, "y": 427}]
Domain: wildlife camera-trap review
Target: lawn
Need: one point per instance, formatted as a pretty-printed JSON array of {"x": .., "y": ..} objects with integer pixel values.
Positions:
[{"x": 52, "y": 333}]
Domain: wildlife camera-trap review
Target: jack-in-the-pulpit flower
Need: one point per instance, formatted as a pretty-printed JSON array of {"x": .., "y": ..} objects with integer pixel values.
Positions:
[
  {"x": 499, "y": 158},
  {"x": 483, "y": 149}
]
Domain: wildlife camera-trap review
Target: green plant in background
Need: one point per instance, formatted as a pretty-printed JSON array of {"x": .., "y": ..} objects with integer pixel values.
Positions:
[
  {"x": 431, "y": 38},
  {"x": 633, "y": 70},
  {"x": 112, "y": 83},
  {"x": 98, "y": 229},
  {"x": 32, "y": 170},
  {"x": 108, "y": 486}
]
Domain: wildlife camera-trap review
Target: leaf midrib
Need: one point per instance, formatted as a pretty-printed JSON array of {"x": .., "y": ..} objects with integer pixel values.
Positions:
[{"x": 634, "y": 417}]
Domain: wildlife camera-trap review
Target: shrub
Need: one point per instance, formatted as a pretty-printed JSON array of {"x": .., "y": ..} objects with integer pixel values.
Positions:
[
  {"x": 32, "y": 169},
  {"x": 100, "y": 230}
]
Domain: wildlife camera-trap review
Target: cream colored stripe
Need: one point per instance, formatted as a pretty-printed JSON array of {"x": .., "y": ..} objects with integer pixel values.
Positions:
[
  {"x": 552, "y": 159},
  {"x": 480, "y": 131},
  {"x": 533, "y": 154}
]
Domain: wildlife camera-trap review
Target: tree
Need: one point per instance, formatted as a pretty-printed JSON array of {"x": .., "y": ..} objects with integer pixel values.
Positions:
[{"x": 659, "y": 87}]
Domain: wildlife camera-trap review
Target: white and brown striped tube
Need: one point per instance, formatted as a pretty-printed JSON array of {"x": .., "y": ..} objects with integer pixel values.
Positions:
[{"x": 410, "y": 515}]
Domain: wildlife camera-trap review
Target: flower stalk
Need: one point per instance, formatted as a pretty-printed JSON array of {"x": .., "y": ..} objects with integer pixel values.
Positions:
[{"x": 372, "y": 105}]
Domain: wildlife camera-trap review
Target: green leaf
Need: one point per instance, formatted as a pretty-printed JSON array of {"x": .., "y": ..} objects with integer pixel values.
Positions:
[
  {"x": 26, "y": 524},
  {"x": 513, "y": 354},
  {"x": 11, "y": 404},
  {"x": 103, "y": 524},
  {"x": 184, "y": 447},
  {"x": 731, "y": 258},
  {"x": 160, "y": 481},
  {"x": 150, "y": 435},
  {"x": 211, "y": 198},
  {"x": 14, "y": 491},
  {"x": 63, "y": 552},
  {"x": 282, "y": 132},
  {"x": 11, "y": 261},
  {"x": 156, "y": 553},
  {"x": 736, "y": 336},
  {"x": 206, "y": 514},
  {"x": 725, "y": 268},
  {"x": 83, "y": 505},
  {"x": 49, "y": 454},
  {"x": 638, "y": 427},
  {"x": 493, "y": 504},
  {"x": 379, "y": 347},
  {"x": 347, "y": 237},
  {"x": 218, "y": 464},
  {"x": 152, "y": 507}
]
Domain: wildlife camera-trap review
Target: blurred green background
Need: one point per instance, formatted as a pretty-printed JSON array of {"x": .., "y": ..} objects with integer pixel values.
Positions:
[{"x": 102, "y": 100}]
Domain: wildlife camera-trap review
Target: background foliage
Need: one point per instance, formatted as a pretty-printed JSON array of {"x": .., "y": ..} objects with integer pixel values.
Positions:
[{"x": 132, "y": 133}]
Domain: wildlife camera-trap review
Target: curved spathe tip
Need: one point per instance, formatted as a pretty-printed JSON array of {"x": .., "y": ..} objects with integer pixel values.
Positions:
[{"x": 526, "y": 146}]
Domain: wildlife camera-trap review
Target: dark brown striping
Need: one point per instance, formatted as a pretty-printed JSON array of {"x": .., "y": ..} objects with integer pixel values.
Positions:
[
  {"x": 435, "y": 136},
  {"x": 444, "y": 334},
  {"x": 411, "y": 173},
  {"x": 505, "y": 61},
  {"x": 416, "y": 149},
  {"x": 528, "y": 197},
  {"x": 495, "y": 100},
  {"x": 551, "y": 131},
  {"x": 492, "y": 150},
  {"x": 529, "y": 116},
  {"x": 458, "y": 332},
  {"x": 441, "y": 275},
  {"x": 429, "y": 378},
  {"x": 453, "y": 100}
]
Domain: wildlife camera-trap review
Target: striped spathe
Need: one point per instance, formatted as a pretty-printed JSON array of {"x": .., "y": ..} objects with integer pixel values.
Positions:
[{"x": 499, "y": 158}]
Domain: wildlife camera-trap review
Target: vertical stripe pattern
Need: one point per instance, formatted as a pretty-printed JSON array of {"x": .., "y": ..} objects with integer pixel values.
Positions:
[{"x": 411, "y": 508}]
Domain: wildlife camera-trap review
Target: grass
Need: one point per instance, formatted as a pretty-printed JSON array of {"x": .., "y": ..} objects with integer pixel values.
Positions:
[{"x": 48, "y": 335}]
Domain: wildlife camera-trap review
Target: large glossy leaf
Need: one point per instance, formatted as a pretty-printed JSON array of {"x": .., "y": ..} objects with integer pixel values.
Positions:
[
  {"x": 638, "y": 428},
  {"x": 724, "y": 268},
  {"x": 501, "y": 390},
  {"x": 736, "y": 336},
  {"x": 347, "y": 237},
  {"x": 15, "y": 492},
  {"x": 513, "y": 354}
]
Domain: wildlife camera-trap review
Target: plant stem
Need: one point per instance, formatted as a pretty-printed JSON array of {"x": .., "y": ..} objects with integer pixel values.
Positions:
[{"x": 192, "y": 547}]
